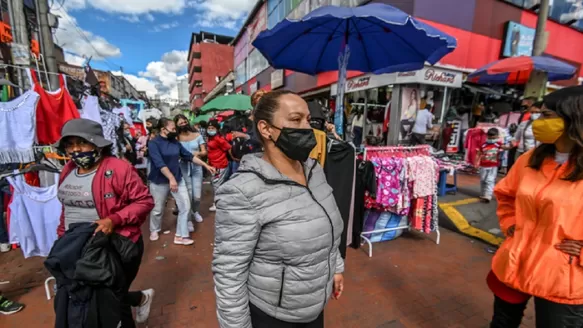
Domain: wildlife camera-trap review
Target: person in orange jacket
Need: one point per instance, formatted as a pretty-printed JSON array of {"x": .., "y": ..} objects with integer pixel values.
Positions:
[{"x": 541, "y": 212}]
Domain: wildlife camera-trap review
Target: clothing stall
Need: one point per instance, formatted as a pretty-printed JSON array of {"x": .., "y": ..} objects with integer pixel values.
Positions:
[{"x": 403, "y": 196}]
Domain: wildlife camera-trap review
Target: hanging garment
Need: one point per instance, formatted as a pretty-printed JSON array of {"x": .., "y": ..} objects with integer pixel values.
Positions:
[
  {"x": 91, "y": 109},
  {"x": 365, "y": 180},
  {"x": 319, "y": 152},
  {"x": 111, "y": 123},
  {"x": 339, "y": 169},
  {"x": 17, "y": 129},
  {"x": 34, "y": 219},
  {"x": 475, "y": 138},
  {"x": 422, "y": 172},
  {"x": 54, "y": 109},
  {"x": 126, "y": 113}
]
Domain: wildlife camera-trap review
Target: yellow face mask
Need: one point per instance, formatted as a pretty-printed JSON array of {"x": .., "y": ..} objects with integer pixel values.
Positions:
[{"x": 548, "y": 130}]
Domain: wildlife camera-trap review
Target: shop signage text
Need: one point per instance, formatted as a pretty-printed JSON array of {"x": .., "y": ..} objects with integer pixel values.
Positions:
[
  {"x": 360, "y": 83},
  {"x": 443, "y": 77},
  {"x": 431, "y": 75}
]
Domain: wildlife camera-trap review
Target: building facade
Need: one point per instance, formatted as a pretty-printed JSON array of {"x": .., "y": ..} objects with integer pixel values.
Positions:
[
  {"x": 115, "y": 86},
  {"x": 210, "y": 58},
  {"x": 183, "y": 95},
  {"x": 484, "y": 30}
]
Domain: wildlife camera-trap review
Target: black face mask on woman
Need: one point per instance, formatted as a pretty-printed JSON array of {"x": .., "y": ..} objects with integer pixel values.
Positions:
[{"x": 296, "y": 144}]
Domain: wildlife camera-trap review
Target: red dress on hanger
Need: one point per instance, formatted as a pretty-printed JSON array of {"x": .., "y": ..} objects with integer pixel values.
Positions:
[{"x": 53, "y": 110}]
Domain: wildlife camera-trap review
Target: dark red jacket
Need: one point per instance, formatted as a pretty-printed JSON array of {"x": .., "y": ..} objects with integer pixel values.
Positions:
[{"x": 119, "y": 194}]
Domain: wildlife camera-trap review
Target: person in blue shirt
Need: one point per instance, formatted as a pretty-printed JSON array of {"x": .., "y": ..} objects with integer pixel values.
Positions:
[{"x": 165, "y": 177}]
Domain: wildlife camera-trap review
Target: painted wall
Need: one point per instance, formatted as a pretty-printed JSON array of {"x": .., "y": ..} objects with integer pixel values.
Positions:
[{"x": 216, "y": 60}]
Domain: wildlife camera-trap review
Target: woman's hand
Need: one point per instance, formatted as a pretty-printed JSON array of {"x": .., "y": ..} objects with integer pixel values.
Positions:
[
  {"x": 211, "y": 169},
  {"x": 173, "y": 185},
  {"x": 104, "y": 225},
  {"x": 570, "y": 247},
  {"x": 338, "y": 286}
]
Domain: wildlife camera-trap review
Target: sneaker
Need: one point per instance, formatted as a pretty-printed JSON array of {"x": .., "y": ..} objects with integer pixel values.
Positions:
[
  {"x": 197, "y": 217},
  {"x": 8, "y": 307},
  {"x": 143, "y": 311},
  {"x": 190, "y": 226},
  {"x": 4, "y": 248},
  {"x": 183, "y": 241},
  {"x": 213, "y": 208},
  {"x": 154, "y": 236}
]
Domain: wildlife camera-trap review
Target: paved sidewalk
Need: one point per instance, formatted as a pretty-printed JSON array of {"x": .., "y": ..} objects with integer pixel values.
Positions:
[
  {"x": 410, "y": 282},
  {"x": 465, "y": 213}
]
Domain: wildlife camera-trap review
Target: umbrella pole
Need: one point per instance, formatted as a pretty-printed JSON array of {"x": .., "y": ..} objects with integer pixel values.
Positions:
[{"x": 343, "y": 57}]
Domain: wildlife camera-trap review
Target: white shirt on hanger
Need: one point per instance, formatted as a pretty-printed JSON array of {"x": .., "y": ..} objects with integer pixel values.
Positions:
[
  {"x": 91, "y": 109},
  {"x": 35, "y": 213},
  {"x": 18, "y": 128}
]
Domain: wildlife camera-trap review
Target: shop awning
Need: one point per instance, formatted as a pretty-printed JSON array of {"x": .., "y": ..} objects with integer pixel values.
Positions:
[{"x": 481, "y": 89}]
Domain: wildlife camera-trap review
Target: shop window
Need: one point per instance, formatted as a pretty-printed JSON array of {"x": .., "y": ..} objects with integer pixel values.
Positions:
[
  {"x": 568, "y": 11},
  {"x": 256, "y": 63},
  {"x": 241, "y": 73}
]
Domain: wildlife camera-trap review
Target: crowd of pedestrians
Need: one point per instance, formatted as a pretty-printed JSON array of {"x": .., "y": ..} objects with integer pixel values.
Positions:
[{"x": 276, "y": 261}]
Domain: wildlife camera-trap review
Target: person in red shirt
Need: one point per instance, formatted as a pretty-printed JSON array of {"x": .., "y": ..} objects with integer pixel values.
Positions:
[
  {"x": 488, "y": 162},
  {"x": 218, "y": 149}
]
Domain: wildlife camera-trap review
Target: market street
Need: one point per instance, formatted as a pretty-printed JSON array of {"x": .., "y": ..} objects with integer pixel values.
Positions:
[{"x": 409, "y": 282}]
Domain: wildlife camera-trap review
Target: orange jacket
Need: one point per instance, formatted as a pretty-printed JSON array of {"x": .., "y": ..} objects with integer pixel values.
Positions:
[{"x": 545, "y": 210}]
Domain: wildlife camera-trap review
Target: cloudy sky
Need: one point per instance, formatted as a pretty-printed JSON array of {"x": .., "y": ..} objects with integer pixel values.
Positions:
[{"x": 148, "y": 39}]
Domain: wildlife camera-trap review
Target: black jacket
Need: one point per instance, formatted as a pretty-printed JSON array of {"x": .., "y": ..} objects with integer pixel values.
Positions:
[{"x": 90, "y": 277}]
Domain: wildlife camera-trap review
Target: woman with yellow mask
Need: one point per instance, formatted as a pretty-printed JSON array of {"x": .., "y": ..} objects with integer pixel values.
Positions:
[{"x": 540, "y": 209}]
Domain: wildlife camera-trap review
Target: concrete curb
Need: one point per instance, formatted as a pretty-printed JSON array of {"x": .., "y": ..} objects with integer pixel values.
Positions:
[{"x": 462, "y": 224}]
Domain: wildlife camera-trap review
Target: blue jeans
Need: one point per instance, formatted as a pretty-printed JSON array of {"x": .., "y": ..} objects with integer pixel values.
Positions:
[
  {"x": 160, "y": 194},
  {"x": 194, "y": 186}
]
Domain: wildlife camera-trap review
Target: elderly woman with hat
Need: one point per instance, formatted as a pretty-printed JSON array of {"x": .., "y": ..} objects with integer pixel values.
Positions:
[{"x": 100, "y": 188}]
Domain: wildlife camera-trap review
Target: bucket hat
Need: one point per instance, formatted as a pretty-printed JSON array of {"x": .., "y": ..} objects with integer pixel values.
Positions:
[{"x": 85, "y": 129}]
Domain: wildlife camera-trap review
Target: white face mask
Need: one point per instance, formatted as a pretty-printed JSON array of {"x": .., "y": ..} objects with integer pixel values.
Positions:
[{"x": 534, "y": 116}]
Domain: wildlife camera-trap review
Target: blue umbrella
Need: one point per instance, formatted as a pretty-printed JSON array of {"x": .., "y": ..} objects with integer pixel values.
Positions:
[{"x": 372, "y": 38}]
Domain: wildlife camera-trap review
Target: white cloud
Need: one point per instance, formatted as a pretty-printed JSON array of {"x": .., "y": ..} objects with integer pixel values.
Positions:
[
  {"x": 165, "y": 26},
  {"x": 149, "y": 17},
  {"x": 74, "y": 59},
  {"x": 160, "y": 77},
  {"x": 76, "y": 40},
  {"x": 131, "y": 18},
  {"x": 224, "y": 13},
  {"x": 137, "y": 7}
]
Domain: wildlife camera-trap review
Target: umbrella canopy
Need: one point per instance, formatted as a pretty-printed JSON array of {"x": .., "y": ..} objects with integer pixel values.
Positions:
[
  {"x": 380, "y": 37},
  {"x": 372, "y": 38},
  {"x": 517, "y": 70},
  {"x": 202, "y": 118},
  {"x": 229, "y": 102}
]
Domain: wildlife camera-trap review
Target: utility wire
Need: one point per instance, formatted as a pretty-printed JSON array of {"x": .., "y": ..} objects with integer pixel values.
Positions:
[{"x": 80, "y": 32}]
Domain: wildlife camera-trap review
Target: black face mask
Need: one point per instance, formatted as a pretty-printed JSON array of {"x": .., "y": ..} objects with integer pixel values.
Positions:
[
  {"x": 296, "y": 144},
  {"x": 171, "y": 135},
  {"x": 183, "y": 128}
]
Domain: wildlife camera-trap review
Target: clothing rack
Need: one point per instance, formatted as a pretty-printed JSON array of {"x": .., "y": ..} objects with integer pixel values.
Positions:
[{"x": 423, "y": 150}]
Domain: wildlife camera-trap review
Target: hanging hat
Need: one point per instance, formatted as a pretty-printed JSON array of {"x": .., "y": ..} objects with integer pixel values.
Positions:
[{"x": 85, "y": 129}]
